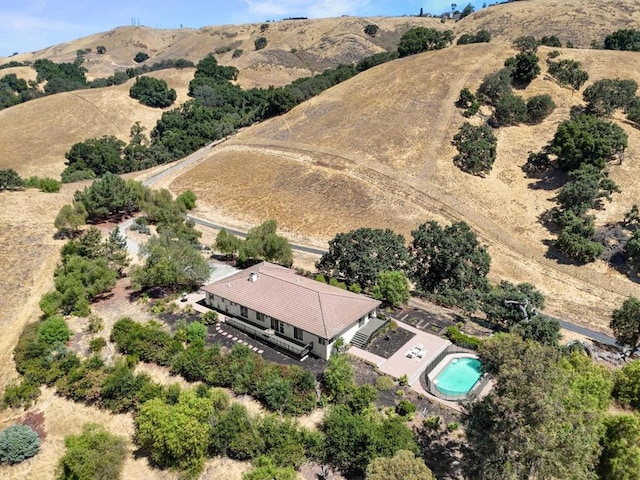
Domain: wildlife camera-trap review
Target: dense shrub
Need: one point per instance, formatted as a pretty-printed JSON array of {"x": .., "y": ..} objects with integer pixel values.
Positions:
[
  {"x": 606, "y": 95},
  {"x": 539, "y": 107},
  {"x": 152, "y": 92},
  {"x": 21, "y": 394},
  {"x": 17, "y": 443},
  {"x": 93, "y": 455},
  {"x": 510, "y": 110},
  {"x": 54, "y": 330},
  {"x": 550, "y": 41},
  {"x": 495, "y": 86},
  {"x": 524, "y": 68},
  {"x": 482, "y": 36},
  {"x": 461, "y": 339},
  {"x": 371, "y": 29},
  {"x": 140, "y": 57},
  {"x": 260, "y": 43}
]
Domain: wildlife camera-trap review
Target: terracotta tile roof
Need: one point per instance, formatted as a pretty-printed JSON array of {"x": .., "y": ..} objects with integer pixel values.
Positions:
[{"x": 280, "y": 293}]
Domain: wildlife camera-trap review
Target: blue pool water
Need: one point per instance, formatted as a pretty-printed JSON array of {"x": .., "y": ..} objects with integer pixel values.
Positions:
[{"x": 459, "y": 376}]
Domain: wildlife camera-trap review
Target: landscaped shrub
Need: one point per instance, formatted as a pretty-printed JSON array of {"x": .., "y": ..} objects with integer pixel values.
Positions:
[
  {"x": 461, "y": 339},
  {"x": 17, "y": 443},
  {"x": 385, "y": 384},
  {"x": 97, "y": 344},
  {"x": 405, "y": 408}
]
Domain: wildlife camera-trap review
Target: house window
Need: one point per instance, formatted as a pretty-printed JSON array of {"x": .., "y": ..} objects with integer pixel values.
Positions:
[
  {"x": 322, "y": 341},
  {"x": 297, "y": 333},
  {"x": 260, "y": 316},
  {"x": 243, "y": 312}
]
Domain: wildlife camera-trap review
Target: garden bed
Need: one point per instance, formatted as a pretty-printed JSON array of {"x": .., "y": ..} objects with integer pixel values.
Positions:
[{"x": 389, "y": 342}]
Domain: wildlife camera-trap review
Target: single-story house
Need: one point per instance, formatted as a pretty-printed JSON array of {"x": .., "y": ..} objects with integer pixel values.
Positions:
[{"x": 292, "y": 312}]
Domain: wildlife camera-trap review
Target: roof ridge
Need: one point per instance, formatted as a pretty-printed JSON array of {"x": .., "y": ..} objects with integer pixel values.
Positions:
[{"x": 324, "y": 323}]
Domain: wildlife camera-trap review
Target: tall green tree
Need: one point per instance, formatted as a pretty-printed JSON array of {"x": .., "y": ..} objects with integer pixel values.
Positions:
[
  {"x": 263, "y": 242},
  {"x": 360, "y": 255},
  {"x": 532, "y": 424},
  {"x": 508, "y": 304},
  {"x": 110, "y": 195},
  {"x": 450, "y": 262},
  {"x": 620, "y": 457},
  {"x": 227, "y": 243},
  {"x": 625, "y": 323},
  {"x": 392, "y": 287},
  {"x": 152, "y": 92},
  {"x": 171, "y": 262},
  {"x": 70, "y": 218},
  {"x": 477, "y": 148},
  {"x": 587, "y": 139},
  {"x": 99, "y": 155},
  {"x": 403, "y": 465}
]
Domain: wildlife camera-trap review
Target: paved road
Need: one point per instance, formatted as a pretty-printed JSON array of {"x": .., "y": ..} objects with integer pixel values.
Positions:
[
  {"x": 239, "y": 233},
  {"x": 592, "y": 334}
]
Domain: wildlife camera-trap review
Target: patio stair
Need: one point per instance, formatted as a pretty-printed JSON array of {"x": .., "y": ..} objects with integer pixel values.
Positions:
[
  {"x": 359, "y": 339},
  {"x": 363, "y": 335}
]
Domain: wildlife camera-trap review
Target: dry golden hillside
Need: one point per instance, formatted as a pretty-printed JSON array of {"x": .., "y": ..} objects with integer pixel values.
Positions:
[
  {"x": 34, "y": 136},
  {"x": 577, "y": 21},
  {"x": 295, "y": 48},
  {"x": 375, "y": 151}
]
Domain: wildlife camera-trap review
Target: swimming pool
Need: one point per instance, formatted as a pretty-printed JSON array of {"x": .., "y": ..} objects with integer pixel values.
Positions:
[{"x": 459, "y": 376}]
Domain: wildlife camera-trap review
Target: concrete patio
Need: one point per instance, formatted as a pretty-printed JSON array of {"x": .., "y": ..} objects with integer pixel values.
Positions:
[{"x": 400, "y": 364}]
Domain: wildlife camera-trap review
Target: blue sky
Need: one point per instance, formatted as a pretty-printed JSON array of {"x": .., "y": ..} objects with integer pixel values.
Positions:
[{"x": 28, "y": 25}]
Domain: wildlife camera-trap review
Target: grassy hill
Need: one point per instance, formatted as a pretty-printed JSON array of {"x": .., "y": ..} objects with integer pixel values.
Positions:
[
  {"x": 375, "y": 151},
  {"x": 570, "y": 20}
]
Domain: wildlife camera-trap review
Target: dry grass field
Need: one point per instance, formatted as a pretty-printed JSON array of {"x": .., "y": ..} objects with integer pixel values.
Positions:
[{"x": 374, "y": 151}]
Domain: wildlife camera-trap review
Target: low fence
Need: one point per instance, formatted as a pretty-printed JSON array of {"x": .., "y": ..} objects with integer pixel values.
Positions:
[{"x": 443, "y": 394}]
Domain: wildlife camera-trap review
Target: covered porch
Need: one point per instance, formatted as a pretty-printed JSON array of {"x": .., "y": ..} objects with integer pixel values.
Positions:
[{"x": 269, "y": 336}]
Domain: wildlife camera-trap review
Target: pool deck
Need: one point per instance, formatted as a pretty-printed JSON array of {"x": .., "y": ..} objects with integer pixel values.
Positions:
[{"x": 399, "y": 364}]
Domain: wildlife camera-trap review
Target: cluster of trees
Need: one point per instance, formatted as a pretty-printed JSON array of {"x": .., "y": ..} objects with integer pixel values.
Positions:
[
  {"x": 476, "y": 145},
  {"x": 422, "y": 39},
  {"x": 625, "y": 39},
  {"x": 583, "y": 146},
  {"x": 262, "y": 243},
  {"x": 11, "y": 180},
  {"x": 481, "y": 36},
  {"x": 64, "y": 77},
  {"x": 152, "y": 92},
  {"x": 89, "y": 268},
  {"x": 447, "y": 264},
  {"x": 544, "y": 417}
]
